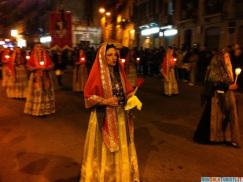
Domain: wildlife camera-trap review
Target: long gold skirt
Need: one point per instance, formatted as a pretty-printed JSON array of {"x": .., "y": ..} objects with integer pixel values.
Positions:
[
  {"x": 79, "y": 78},
  {"x": 224, "y": 125},
  {"x": 101, "y": 165},
  {"x": 5, "y": 75},
  {"x": 40, "y": 100},
  {"x": 17, "y": 85},
  {"x": 171, "y": 86}
]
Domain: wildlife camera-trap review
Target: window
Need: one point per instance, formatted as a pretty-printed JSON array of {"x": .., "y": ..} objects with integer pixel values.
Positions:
[
  {"x": 189, "y": 9},
  {"x": 213, "y": 6}
]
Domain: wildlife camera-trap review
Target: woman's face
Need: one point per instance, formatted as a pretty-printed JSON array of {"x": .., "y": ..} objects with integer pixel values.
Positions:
[
  {"x": 226, "y": 56},
  {"x": 38, "y": 47},
  {"x": 111, "y": 56},
  {"x": 81, "y": 52},
  {"x": 170, "y": 51}
]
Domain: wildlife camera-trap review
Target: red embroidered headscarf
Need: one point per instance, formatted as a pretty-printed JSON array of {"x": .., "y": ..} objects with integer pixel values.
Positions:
[
  {"x": 34, "y": 60},
  {"x": 16, "y": 58},
  {"x": 168, "y": 61},
  {"x": 81, "y": 59},
  {"x": 99, "y": 86},
  {"x": 6, "y": 55}
]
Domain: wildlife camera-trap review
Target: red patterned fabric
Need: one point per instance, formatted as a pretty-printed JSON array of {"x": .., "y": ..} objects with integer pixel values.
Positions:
[
  {"x": 6, "y": 56},
  {"x": 98, "y": 86},
  {"x": 13, "y": 61},
  {"x": 168, "y": 62},
  {"x": 61, "y": 29},
  {"x": 93, "y": 85},
  {"x": 6, "y": 60},
  {"x": 34, "y": 62}
]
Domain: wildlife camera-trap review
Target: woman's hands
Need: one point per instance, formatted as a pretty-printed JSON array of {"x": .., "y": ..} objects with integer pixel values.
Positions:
[
  {"x": 233, "y": 86},
  {"x": 112, "y": 101}
]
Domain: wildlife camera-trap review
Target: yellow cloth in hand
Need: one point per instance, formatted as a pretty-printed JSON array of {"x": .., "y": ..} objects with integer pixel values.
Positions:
[{"x": 133, "y": 102}]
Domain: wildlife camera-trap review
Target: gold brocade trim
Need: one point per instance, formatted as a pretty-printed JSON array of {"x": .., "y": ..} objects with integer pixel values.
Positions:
[
  {"x": 93, "y": 100},
  {"x": 99, "y": 164},
  {"x": 110, "y": 139}
]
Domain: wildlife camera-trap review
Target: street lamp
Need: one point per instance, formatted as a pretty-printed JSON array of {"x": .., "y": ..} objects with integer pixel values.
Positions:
[
  {"x": 108, "y": 13},
  {"x": 14, "y": 33},
  {"x": 167, "y": 31},
  {"x": 102, "y": 10},
  {"x": 102, "y": 22},
  {"x": 170, "y": 32},
  {"x": 21, "y": 43}
]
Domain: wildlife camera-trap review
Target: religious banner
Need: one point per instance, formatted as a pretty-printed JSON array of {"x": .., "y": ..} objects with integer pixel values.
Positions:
[{"x": 61, "y": 29}]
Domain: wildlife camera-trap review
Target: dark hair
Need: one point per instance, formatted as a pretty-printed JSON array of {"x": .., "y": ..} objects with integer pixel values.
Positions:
[{"x": 108, "y": 46}]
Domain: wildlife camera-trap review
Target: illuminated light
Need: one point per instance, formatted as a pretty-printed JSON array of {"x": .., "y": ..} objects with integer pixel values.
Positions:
[
  {"x": 147, "y": 37},
  {"x": 58, "y": 72},
  {"x": 103, "y": 21},
  {"x": 82, "y": 58},
  {"x": 237, "y": 72},
  {"x": 21, "y": 43},
  {"x": 11, "y": 46},
  {"x": 41, "y": 63},
  {"x": 161, "y": 34},
  {"x": 147, "y": 43},
  {"x": 14, "y": 33},
  {"x": 175, "y": 59},
  {"x": 108, "y": 13},
  {"x": 27, "y": 57},
  {"x": 7, "y": 40},
  {"x": 170, "y": 32},
  {"x": 150, "y": 31},
  {"x": 132, "y": 31},
  {"x": 144, "y": 26},
  {"x": 45, "y": 39},
  {"x": 123, "y": 60},
  {"x": 102, "y": 10},
  {"x": 138, "y": 59},
  {"x": 7, "y": 56},
  {"x": 119, "y": 18},
  {"x": 166, "y": 27},
  {"x": 153, "y": 24}
]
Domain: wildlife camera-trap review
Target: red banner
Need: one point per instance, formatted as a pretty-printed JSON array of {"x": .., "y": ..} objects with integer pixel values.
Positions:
[{"x": 61, "y": 29}]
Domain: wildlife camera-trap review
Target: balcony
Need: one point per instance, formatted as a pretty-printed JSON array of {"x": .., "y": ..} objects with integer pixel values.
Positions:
[{"x": 214, "y": 18}]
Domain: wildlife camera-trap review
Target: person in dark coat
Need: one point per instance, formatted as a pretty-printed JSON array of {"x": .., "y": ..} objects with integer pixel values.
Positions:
[{"x": 219, "y": 122}]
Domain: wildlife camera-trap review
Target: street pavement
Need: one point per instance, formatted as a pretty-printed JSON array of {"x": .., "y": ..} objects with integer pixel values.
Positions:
[{"x": 50, "y": 148}]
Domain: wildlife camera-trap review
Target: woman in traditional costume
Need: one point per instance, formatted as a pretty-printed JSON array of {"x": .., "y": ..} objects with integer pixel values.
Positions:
[
  {"x": 80, "y": 73},
  {"x": 219, "y": 122},
  {"x": 109, "y": 151},
  {"x": 40, "y": 94},
  {"x": 18, "y": 75},
  {"x": 168, "y": 73},
  {"x": 131, "y": 67},
  {"x": 6, "y": 60}
]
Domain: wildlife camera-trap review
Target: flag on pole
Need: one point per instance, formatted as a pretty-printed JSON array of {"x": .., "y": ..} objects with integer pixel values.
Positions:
[{"x": 61, "y": 29}]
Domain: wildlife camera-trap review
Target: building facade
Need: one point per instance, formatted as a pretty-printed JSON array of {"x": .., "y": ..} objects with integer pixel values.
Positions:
[
  {"x": 211, "y": 23},
  {"x": 116, "y": 23}
]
